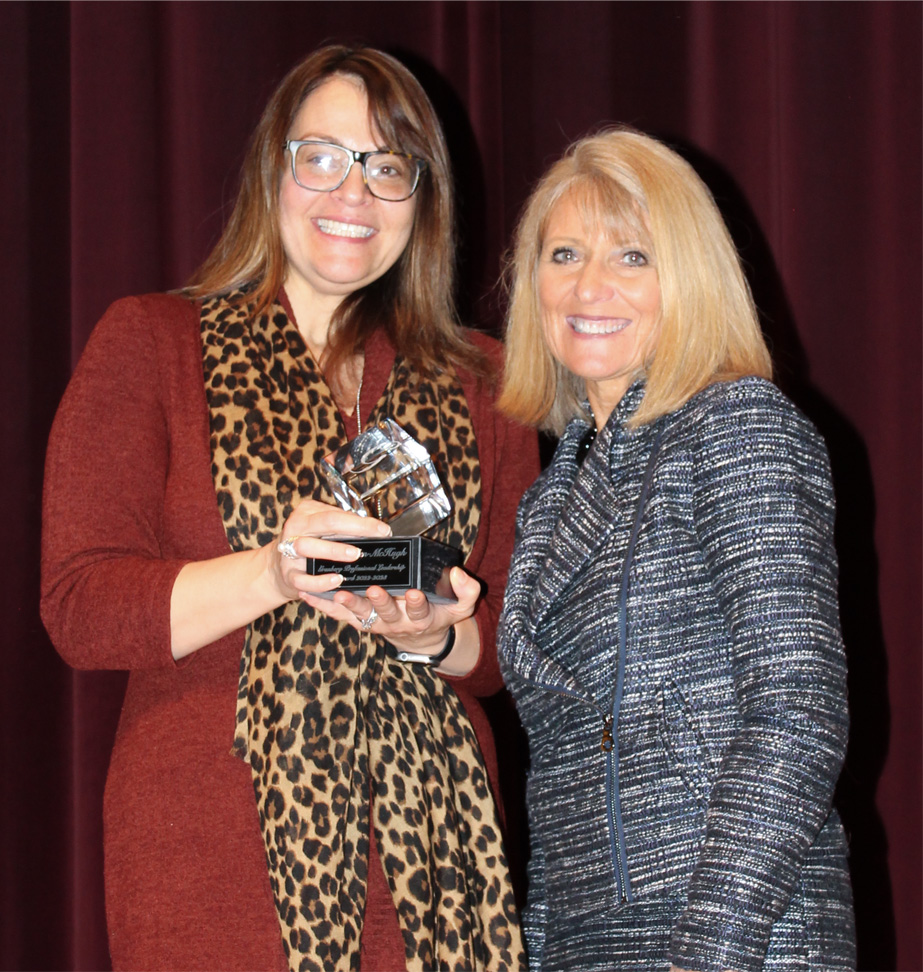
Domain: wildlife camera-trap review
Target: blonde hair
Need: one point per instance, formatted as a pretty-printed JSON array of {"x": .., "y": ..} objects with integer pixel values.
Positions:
[
  {"x": 622, "y": 180},
  {"x": 413, "y": 301}
]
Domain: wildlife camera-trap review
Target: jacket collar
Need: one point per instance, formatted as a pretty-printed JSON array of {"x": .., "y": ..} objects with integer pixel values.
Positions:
[
  {"x": 575, "y": 518},
  {"x": 582, "y": 514}
]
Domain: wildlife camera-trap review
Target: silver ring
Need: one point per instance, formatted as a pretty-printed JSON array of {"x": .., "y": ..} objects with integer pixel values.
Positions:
[
  {"x": 370, "y": 620},
  {"x": 287, "y": 548}
]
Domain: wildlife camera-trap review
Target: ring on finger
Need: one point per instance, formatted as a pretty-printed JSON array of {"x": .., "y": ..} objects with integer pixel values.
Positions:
[
  {"x": 369, "y": 621},
  {"x": 287, "y": 548}
]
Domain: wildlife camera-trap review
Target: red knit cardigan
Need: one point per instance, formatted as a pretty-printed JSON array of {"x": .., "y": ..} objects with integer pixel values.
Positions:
[{"x": 129, "y": 499}]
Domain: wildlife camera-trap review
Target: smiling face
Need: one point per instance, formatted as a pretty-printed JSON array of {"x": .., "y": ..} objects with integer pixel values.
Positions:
[
  {"x": 337, "y": 242},
  {"x": 600, "y": 301}
]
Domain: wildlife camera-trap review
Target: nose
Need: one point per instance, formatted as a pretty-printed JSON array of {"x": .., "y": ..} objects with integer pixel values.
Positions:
[
  {"x": 594, "y": 283},
  {"x": 353, "y": 191}
]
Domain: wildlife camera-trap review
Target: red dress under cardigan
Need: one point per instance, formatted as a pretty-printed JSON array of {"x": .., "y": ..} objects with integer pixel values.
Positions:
[{"x": 129, "y": 499}]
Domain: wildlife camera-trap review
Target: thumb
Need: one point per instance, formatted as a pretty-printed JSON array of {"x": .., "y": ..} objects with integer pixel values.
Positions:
[{"x": 467, "y": 588}]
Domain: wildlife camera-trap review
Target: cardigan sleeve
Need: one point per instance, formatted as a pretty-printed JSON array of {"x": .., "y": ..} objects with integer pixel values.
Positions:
[
  {"x": 763, "y": 509},
  {"x": 508, "y": 457},
  {"x": 106, "y": 583}
]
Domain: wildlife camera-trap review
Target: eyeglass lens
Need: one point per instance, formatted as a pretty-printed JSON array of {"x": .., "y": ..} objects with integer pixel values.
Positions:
[{"x": 324, "y": 167}]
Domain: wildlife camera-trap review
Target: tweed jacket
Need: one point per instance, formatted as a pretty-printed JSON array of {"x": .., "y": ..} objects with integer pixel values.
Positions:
[{"x": 683, "y": 691}]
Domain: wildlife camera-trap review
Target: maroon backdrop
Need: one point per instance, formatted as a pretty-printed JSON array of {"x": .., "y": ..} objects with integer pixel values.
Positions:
[{"x": 123, "y": 127}]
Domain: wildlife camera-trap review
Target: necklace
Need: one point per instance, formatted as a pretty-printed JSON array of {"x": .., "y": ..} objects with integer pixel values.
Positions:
[
  {"x": 584, "y": 445},
  {"x": 588, "y": 438},
  {"x": 359, "y": 394}
]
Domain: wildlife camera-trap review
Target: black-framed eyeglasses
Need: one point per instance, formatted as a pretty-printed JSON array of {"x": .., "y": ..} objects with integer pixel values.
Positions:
[{"x": 324, "y": 166}]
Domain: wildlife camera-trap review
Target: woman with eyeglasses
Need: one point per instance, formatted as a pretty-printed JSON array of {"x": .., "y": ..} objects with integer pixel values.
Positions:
[{"x": 284, "y": 791}]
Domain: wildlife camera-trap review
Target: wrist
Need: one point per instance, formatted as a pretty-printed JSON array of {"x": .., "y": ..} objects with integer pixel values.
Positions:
[
  {"x": 269, "y": 579},
  {"x": 467, "y": 653},
  {"x": 435, "y": 659}
]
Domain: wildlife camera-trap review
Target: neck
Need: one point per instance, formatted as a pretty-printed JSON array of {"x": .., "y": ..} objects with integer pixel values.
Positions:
[
  {"x": 605, "y": 396},
  {"x": 312, "y": 314},
  {"x": 601, "y": 407}
]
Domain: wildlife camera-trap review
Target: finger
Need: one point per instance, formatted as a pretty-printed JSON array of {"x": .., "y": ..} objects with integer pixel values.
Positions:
[
  {"x": 388, "y": 607},
  {"x": 467, "y": 590},
  {"x": 331, "y": 608},
  {"x": 354, "y": 603},
  {"x": 417, "y": 606},
  {"x": 321, "y": 521},
  {"x": 326, "y": 549},
  {"x": 322, "y": 583},
  {"x": 341, "y": 523}
]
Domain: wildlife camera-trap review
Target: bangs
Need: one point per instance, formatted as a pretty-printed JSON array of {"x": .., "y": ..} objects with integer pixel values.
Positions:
[
  {"x": 606, "y": 206},
  {"x": 393, "y": 115}
]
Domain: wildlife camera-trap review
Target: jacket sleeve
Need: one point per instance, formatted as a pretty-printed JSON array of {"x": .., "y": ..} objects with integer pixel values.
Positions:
[
  {"x": 535, "y": 913},
  {"x": 763, "y": 509},
  {"x": 106, "y": 585}
]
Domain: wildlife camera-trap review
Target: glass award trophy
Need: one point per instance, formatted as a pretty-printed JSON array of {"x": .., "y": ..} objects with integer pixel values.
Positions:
[{"x": 387, "y": 474}]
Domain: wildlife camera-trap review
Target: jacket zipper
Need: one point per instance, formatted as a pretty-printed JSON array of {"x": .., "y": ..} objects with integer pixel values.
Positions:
[
  {"x": 611, "y": 721},
  {"x": 609, "y": 740},
  {"x": 609, "y": 746},
  {"x": 614, "y": 814}
]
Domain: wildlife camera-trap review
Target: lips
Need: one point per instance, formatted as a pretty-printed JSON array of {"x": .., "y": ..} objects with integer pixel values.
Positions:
[
  {"x": 353, "y": 231},
  {"x": 598, "y": 326}
]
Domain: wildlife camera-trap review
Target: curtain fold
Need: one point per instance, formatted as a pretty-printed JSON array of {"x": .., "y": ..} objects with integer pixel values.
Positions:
[{"x": 123, "y": 129}]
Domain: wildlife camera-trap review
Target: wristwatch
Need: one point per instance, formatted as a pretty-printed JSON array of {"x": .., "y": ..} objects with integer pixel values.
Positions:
[{"x": 437, "y": 659}]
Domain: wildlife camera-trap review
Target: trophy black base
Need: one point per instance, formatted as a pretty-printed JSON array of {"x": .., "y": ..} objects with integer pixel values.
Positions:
[{"x": 397, "y": 564}]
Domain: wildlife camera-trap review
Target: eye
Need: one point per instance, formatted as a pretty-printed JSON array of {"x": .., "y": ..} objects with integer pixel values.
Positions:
[
  {"x": 635, "y": 258},
  {"x": 316, "y": 157},
  {"x": 389, "y": 166},
  {"x": 563, "y": 254}
]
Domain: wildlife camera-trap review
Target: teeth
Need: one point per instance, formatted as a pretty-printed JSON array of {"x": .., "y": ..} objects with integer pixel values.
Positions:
[
  {"x": 582, "y": 326},
  {"x": 335, "y": 228}
]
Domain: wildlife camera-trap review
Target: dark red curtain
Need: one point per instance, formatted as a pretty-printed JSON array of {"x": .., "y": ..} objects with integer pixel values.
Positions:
[{"x": 123, "y": 127}]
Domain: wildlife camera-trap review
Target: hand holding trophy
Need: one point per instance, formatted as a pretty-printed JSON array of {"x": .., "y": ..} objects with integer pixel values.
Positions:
[{"x": 387, "y": 474}]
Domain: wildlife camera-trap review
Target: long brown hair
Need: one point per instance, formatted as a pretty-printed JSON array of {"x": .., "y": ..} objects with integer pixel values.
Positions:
[
  {"x": 413, "y": 301},
  {"x": 709, "y": 331}
]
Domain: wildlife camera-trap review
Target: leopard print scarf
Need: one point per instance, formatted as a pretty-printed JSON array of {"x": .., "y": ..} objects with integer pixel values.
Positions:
[{"x": 324, "y": 714}]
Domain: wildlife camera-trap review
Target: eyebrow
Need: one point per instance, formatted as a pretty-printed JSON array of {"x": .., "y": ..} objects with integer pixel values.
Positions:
[
  {"x": 318, "y": 137},
  {"x": 611, "y": 241}
]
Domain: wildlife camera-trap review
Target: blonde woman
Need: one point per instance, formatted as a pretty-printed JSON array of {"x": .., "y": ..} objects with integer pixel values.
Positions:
[{"x": 670, "y": 632}]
